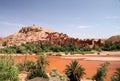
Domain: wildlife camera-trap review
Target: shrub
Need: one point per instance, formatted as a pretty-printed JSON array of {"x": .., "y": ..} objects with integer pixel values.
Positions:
[
  {"x": 97, "y": 48},
  {"x": 116, "y": 76},
  {"x": 8, "y": 71},
  {"x": 39, "y": 69},
  {"x": 101, "y": 72},
  {"x": 109, "y": 46},
  {"x": 56, "y": 76},
  {"x": 43, "y": 47},
  {"x": 27, "y": 66},
  {"x": 37, "y": 73}
]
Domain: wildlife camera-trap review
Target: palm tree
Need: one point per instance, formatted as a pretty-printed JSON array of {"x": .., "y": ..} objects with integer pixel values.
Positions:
[
  {"x": 116, "y": 76},
  {"x": 74, "y": 71},
  {"x": 101, "y": 72}
]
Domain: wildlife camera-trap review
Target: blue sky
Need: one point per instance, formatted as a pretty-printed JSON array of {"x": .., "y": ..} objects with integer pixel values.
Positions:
[{"x": 77, "y": 18}]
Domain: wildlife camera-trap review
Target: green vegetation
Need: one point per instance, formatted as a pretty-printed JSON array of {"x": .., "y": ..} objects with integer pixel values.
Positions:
[
  {"x": 56, "y": 76},
  {"x": 39, "y": 69},
  {"x": 101, "y": 72},
  {"x": 34, "y": 69},
  {"x": 27, "y": 66},
  {"x": 109, "y": 46},
  {"x": 43, "y": 47},
  {"x": 97, "y": 48},
  {"x": 74, "y": 71},
  {"x": 8, "y": 71},
  {"x": 116, "y": 76},
  {"x": 47, "y": 47}
]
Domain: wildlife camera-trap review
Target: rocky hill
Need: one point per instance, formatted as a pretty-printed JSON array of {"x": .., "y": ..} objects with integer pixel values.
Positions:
[
  {"x": 1, "y": 39},
  {"x": 36, "y": 34},
  {"x": 113, "y": 39}
]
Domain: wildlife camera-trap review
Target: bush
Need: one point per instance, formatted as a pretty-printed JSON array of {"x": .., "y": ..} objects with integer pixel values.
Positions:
[
  {"x": 27, "y": 66},
  {"x": 84, "y": 49},
  {"x": 8, "y": 71},
  {"x": 116, "y": 76},
  {"x": 42, "y": 47},
  {"x": 97, "y": 48},
  {"x": 101, "y": 72},
  {"x": 37, "y": 73},
  {"x": 39, "y": 69},
  {"x": 56, "y": 76},
  {"x": 109, "y": 46}
]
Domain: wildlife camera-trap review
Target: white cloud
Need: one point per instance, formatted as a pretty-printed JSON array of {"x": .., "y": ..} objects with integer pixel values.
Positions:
[
  {"x": 84, "y": 26},
  {"x": 111, "y": 17}
]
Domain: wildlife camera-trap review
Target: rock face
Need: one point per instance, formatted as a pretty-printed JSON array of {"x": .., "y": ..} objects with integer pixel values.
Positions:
[
  {"x": 1, "y": 41},
  {"x": 35, "y": 34},
  {"x": 114, "y": 39},
  {"x": 34, "y": 29}
]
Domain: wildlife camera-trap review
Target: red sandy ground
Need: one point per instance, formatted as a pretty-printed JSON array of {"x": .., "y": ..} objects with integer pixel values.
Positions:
[{"x": 56, "y": 62}]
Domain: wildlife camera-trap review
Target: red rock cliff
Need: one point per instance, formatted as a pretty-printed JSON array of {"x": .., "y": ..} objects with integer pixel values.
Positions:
[{"x": 35, "y": 34}]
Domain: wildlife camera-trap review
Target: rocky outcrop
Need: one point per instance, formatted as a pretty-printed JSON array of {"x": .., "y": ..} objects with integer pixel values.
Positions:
[
  {"x": 34, "y": 29},
  {"x": 1, "y": 41},
  {"x": 114, "y": 39},
  {"x": 35, "y": 34}
]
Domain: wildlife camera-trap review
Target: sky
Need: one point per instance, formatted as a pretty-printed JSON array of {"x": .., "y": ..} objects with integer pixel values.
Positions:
[{"x": 77, "y": 18}]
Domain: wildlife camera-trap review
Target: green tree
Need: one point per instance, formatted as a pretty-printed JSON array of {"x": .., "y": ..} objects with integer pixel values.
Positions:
[
  {"x": 74, "y": 71},
  {"x": 116, "y": 76},
  {"x": 109, "y": 46},
  {"x": 101, "y": 72}
]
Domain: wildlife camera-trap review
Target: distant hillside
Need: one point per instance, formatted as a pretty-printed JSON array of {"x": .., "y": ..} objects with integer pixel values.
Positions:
[
  {"x": 1, "y": 38},
  {"x": 113, "y": 39},
  {"x": 36, "y": 34}
]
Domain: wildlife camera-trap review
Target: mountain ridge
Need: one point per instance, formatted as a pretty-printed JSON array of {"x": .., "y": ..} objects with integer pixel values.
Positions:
[{"x": 35, "y": 34}]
